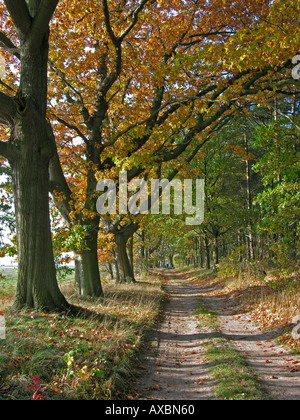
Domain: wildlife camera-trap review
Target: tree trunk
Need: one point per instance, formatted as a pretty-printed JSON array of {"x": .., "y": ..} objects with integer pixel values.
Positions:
[
  {"x": 240, "y": 244},
  {"x": 171, "y": 261},
  {"x": 249, "y": 200},
  {"x": 37, "y": 284},
  {"x": 147, "y": 262},
  {"x": 126, "y": 274},
  {"x": 217, "y": 257},
  {"x": 201, "y": 254},
  {"x": 196, "y": 252},
  {"x": 116, "y": 266},
  {"x": 130, "y": 253},
  {"x": 110, "y": 270},
  {"x": 122, "y": 235},
  {"x": 142, "y": 252},
  {"x": 87, "y": 274},
  {"x": 207, "y": 248}
]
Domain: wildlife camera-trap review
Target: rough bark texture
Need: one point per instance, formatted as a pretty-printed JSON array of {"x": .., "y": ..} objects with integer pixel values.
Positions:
[
  {"x": 37, "y": 284},
  {"x": 87, "y": 275},
  {"x": 126, "y": 274}
]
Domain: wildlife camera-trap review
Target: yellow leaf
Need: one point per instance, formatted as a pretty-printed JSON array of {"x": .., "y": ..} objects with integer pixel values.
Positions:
[{"x": 83, "y": 373}]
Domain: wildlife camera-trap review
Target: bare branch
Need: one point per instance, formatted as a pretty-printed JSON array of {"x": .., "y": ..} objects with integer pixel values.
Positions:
[{"x": 201, "y": 36}]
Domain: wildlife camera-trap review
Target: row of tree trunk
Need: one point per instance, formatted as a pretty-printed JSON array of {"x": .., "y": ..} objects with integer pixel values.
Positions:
[{"x": 208, "y": 252}]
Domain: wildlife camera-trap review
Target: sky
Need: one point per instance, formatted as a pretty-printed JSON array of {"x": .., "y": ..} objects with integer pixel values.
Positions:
[{"x": 7, "y": 261}]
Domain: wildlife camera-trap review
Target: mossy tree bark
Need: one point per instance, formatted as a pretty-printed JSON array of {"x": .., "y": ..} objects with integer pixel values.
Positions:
[{"x": 29, "y": 151}]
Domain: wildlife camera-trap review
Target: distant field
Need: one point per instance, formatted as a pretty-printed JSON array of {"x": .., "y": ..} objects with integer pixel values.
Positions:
[
  {"x": 8, "y": 285},
  {"x": 8, "y": 278}
]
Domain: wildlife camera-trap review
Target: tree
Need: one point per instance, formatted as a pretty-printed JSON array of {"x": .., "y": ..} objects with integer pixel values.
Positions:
[
  {"x": 252, "y": 183},
  {"x": 279, "y": 201},
  {"x": 133, "y": 93},
  {"x": 119, "y": 102},
  {"x": 122, "y": 236},
  {"x": 29, "y": 150}
]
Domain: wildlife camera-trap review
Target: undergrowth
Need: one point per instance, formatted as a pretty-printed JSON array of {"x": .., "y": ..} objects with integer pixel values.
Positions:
[
  {"x": 51, "y": 356},
  {"x": 270, "y": 296}
]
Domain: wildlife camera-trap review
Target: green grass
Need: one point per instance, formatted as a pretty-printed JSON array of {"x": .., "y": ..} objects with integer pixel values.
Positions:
[
  {"x": 8, "y": 278},
  {"x": 8, "y": 285},
  {"x": 205, "y": 316},
  {"x": 233, "y": 377},
  {"x": 88, "y": 357}
]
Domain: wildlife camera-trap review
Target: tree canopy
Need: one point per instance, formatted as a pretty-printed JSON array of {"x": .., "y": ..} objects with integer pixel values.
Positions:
[{"x": 97, "y": 87}]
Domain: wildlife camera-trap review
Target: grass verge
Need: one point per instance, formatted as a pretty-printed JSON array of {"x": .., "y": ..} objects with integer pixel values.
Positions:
[
  {"x": 233, "y": 377},
  {"x": 49, "y": 356},
  {"x": 272, "y": 301}
]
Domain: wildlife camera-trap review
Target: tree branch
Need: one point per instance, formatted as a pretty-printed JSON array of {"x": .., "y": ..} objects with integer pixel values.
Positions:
[
  {"x": 108, "y": 23},
  {"x": 72, "y": 127},
  {"x": 117, "y": 41},
  {"x": 41, "y": 21},
  {"x": 8, "y": 151},
  {"x": 9, "y": 46},
  {"x": 84, "y": 111},
  {"x": 135, "y": 16},
  {"x": 7, "y": 86},
  {"x": 59, "y": 187},
  {"x": 20, "y": 16},
  {"x": 7, "y": 109}
]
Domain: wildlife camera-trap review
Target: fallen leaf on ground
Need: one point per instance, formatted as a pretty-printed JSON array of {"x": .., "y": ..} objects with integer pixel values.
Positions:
[{"x": 155, "y": 388}]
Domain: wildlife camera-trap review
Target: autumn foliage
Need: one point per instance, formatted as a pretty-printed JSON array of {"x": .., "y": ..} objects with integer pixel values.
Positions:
[{"x": 140, "y": 86}]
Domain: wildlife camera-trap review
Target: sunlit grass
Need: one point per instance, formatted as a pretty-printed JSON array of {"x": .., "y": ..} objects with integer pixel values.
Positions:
[
  {"x": 87, "y": 357},
  {"x": 233, "y": 377}
]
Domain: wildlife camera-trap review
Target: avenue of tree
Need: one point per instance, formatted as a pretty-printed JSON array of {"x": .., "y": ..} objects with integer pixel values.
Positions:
[{"x": 160, "y": 89}]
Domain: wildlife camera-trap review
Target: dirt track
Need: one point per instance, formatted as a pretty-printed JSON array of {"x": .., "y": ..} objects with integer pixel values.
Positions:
[{"x": 174, "y": 363}]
